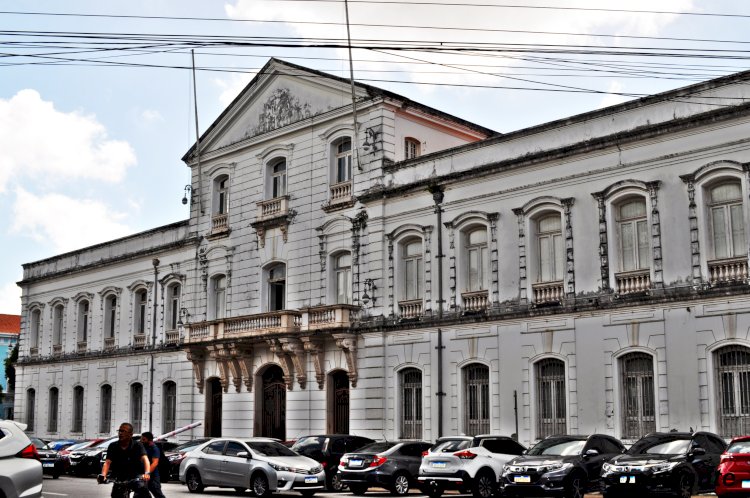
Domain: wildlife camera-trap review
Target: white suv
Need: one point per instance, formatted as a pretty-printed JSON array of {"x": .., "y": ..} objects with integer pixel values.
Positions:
[
  {"x": 467, "y": 463},
  {"x": 21, "y": 474}
]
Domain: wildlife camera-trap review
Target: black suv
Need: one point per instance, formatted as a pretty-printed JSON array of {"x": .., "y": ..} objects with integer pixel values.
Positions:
[
  {"x": 328, "y": 450},
  {"x": 673, "y": 463},
  {"x": 560, "y": 465}
]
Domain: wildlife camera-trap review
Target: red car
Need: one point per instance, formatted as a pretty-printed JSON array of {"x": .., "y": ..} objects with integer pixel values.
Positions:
[{"x": 734, "y": 469}]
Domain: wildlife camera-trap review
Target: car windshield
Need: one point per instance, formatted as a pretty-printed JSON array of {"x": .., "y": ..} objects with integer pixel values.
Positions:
[
  {"x": 451, "y": 445},
  {"x": 660, "y": 446},
  {"x": 78, "y": 446},
  {"x": 106, "y": 443},
  {"x": 185, "y": 447},
  {"x": 270, "y": 448},
  {"x": 40, "y": 445},
  {"x": 558, "y": 447},
  {"x": 307, "y": 444},
  {"x": 376, "y": 447},
  {"x": 739, "y": 447}
]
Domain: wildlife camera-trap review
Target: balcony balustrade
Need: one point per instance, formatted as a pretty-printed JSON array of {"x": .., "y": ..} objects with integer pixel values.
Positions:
[
  {"x": 411, "y": 309},
  {"x": 57, "y": 349},
  {"x": 732, "y": 270},
  {"x": 548, "y": 292},
  {"x": 341, "y": 193},
  {"x": 329, "y": 317},
  {"x": 219, "y": 223},
  {"x": 172, "y": 337},
  {"x": 630, "y": 282},
  {"x": 82, "y": 346},
  {"x": 33, "y": 352},
  {"x": 139, "y": 340},
  {"x": 273, "y": 208},
  {"x": 263, "y": 324},
  {"x": 476, "y": 300},
  {"x": 109, "y": 343}
]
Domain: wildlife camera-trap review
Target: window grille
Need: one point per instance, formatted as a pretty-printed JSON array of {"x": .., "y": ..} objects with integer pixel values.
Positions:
[
  {"x": 30, "y": 409},
  {"x": 477, "y": 407},
  {"x": 77, "y": 409},
  {"x": 550, "y": 394},
  {"x": 733, "y": 381},
  {"x": 136, "y": 406},
  {"x": 411, "y": 404},
  {"x": 54, "y": 399},
  {"x": 170, "y": 407},
  {"x": 105, "y": 412},
  {"x": 637, "y": 394}
]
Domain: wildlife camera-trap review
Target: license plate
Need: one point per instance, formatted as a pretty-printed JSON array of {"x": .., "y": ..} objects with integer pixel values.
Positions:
[
  {"x": 355, "y": 463},
  {"x": 522, "y": 479},
  {"x": 746, "y": 484},
  {"x": 311, "y": 479},
  {"x": 438, "y": 465},
  {"x": 50, "y": 464},
  {"x": 627, "y": 479}
]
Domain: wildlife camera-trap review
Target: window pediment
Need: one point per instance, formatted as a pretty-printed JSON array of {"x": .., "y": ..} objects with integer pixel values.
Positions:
[
  {"x": 276, "y": 151},
  {"x": 110, "y": 289},
  {"x": 83, "y": 295}
]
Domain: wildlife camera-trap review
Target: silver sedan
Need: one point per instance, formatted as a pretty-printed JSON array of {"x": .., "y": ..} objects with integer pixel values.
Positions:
[{"x": 21, "y": 476}]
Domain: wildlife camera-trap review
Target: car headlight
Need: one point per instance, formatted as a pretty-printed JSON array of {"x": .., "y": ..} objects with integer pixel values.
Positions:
[
  {"x": 316, "y": 470},
  {"x": 607, "y": 467},
  {"x": 556, "y": 467},
  {"x": 279, "y": 468},
  {"x": 663, "y": 467}
]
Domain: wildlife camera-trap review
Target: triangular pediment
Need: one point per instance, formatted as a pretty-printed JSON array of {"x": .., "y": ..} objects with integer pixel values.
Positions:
[{"x": 281, "y": 95}]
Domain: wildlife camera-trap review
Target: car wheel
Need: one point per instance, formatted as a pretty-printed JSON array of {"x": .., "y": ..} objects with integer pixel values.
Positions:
[
  {"x": 56, "y": 475},
  {"x": 685, "y": 486},
  {"x": 401, "y": 484},
  {"x": 358, "y": 489},
  {"x": 260, "y": 485},
  {"x": 484, "y": 485},
  {"x": 193, "y": 480},
  {"x": 433, "y": 490},
  {"x": 307, "y": 493},
  {"x": 239, "y": 491},
  {"x": 333, "y": 482},
  {"x": 576, "y": 486}
]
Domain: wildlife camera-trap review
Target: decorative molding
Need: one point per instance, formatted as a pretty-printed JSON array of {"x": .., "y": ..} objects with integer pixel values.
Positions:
[
  {"x": 198, "y": 357},
  {"x": 522, "y": 262},
  {"x": 348, "y": 344},
  {"x": 315, "y": 348},
  {"x": 571, "y": 280},
  {"x": 287, "y": 365},
  {"x": 695, "y": 249},
  {"x": 653, "y": 191}
]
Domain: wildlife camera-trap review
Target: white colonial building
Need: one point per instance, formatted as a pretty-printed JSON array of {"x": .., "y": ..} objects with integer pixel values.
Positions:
[{"x": 416, "y": 275}]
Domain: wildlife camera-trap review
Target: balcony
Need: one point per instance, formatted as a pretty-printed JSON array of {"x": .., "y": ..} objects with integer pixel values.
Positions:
[
  {"x": 274, "y": 208},
  {"x": 329, "y": 317},
  {"x": 630, "y": 282},
  {"x": 172, "y": 337},
  {"x": 109, "y": 343},
  {"x": 57, "y": 349},
  {"x": 728, "y": 271},
  {"x": 34, "y": 352},
  {"x": 548, "y": 292},
  {"x": 340, "y": 196},
  {"x": 248, "y": 326},
  {"x": 139, "y": 340},
  {"x": 219, "y": 225},
  {"x": 476, "y": 300},
  {"x": 81, "y": 347},
  {"x": 410, "y": 309}
]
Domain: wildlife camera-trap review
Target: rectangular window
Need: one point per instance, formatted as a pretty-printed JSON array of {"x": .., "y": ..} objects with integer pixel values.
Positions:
[
  {"x": 639, "y": 407},
  {"x": 411, "y": 406},
  {"x": 136, "y": 406},
  {"x": 53, "y": 406},
  {"x": 105, "y": 411},
  {"x": 551, "y": 401},
  {"x": 477, "y": 410},
  {"x": 77, "y": 409},
  {"x": 170, "y": 407},
  {"x": 30, "y": 409}
]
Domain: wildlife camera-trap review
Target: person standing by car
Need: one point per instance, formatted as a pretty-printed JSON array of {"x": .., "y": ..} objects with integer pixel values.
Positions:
[
  {"x": 154, "y": 455},
  {"x": 127, "y": 459}
]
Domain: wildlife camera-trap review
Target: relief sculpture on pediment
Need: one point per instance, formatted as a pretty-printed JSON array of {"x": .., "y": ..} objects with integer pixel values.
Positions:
[{"x": 281, "y": 109}]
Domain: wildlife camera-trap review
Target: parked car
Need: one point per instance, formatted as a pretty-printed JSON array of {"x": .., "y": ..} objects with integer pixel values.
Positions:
[
  {"x": 560, "y": 466},
  {"x": 65, "y": 452},
  {"x": 467, "y": 463},
  {"x": 87, "y": 461},
  {"x": 393, "y": 465},
  {"x": 59, "y": 444},
  {"x": 21, "y": 474},
  {"x": 176, "y": 455},
  {"x": 734, "y": 469},
  {"x": 262, "y": 464},
  {"x": 52, "y": 464},
  {"x": 680, "y": 463},
  {"x": 328, "y": 450}
]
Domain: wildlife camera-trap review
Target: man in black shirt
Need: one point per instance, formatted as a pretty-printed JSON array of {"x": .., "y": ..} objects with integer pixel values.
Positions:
[{"x": 127, "y": 460}]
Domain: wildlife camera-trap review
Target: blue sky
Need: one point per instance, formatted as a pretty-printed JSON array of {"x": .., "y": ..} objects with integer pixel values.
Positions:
[{"x": 90, "y": 151}]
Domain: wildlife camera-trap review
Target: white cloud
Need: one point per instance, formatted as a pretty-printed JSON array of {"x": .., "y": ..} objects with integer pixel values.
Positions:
[
  {"x": 151, "y": 116},
  {"x": 47, "y": 145},
  {"x": 64, "y": 223},
  {"x": 232, "y": 86},
  {"x": 10, "y": 298},
  {"x": 608, "y": 100}
]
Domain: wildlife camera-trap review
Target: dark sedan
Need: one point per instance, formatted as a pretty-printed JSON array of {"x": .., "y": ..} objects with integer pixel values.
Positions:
[
  {"x": 52, "y": 464},
  {"x": 393, "y": 465},
  {"x": 328, "y": 449}
]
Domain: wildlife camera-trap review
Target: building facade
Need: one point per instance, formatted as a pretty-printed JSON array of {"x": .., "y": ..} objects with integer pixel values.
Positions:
[
  {"x": 10, "y": 330},
  {"x": 414, "y": 275}
]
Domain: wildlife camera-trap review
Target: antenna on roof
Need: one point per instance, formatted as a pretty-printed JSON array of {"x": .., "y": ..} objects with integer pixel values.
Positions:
[{"x": 355, "y": 139}]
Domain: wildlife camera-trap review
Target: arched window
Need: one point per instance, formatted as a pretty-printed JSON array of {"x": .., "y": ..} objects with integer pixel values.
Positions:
[
  {"x": 110, "y": 317},
  {"x": 343, "y": 160},
  {"x": 36, "y": 316},
  {"x": 637, "y": 394},
  {"x": 136, "y": 406},
  {"x": 732, "y": 370},
  {"x": 173, "y": 306},
  {"x": 343, "y": 269},
  {"x": 83, "y": 321},
  {"x": 276, "y": 286},
  {"x": 141, "y": 309},
  {"x": 477, "y": 406},
  {"x": 550, "y": 248},
  {"x": 54, "y": 403},
  {"x": 727, "y": 221},
  {"x": 411, "y": 148},
  {"x": 278, "y": 178},
  {"x": 169, "y": 406},
  {"x": 550, "y": 398},
  {"x": 77, "y": 409},
  {"x": 633, "y": 234},
  {"x": 58, "y": 315},
  {"x": 217, "y": 303},
  {"x": 30, "y": 409},
  {"x": 105, "y": 409},
  {"x": 476, "y": 260},
  {"x": 410, "y": 382}
]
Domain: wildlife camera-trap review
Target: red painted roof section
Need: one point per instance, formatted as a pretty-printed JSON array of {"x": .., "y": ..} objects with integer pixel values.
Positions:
[{"x": 10, "y": 324}]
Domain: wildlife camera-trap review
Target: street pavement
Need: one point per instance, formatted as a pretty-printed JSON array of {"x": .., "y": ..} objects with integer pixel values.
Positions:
[{"x": 86, "y": 487}]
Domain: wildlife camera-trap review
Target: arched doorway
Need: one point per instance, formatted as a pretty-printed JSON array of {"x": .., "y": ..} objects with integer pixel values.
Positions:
[
  {"x": 213, "y": 408},
  {"x": 273, "y": 403},
  {"x": 338, "y": 402}
]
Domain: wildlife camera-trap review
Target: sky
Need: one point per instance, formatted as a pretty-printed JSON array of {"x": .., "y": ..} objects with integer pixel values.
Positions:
[{"x": 96, "y": 98}]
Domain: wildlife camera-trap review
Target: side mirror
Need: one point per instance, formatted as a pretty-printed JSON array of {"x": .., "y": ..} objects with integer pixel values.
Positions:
[
  {"x": 591, "y": 453},
  {"x": 244, "y": 454},
  {"x": 698, "y": 451}
]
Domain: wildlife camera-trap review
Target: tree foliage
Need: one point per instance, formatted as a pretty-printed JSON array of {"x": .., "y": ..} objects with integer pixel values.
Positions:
[{"x": 10, "y": 368}]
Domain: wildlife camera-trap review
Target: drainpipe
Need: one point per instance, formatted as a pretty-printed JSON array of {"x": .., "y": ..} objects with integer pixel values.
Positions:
[
  {"x": 437, "y": 196},
  {"x": 155, "y": 262}
]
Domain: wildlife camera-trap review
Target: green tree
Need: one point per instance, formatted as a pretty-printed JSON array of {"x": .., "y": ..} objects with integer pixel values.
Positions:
[{"x": 10, "y": 369}]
